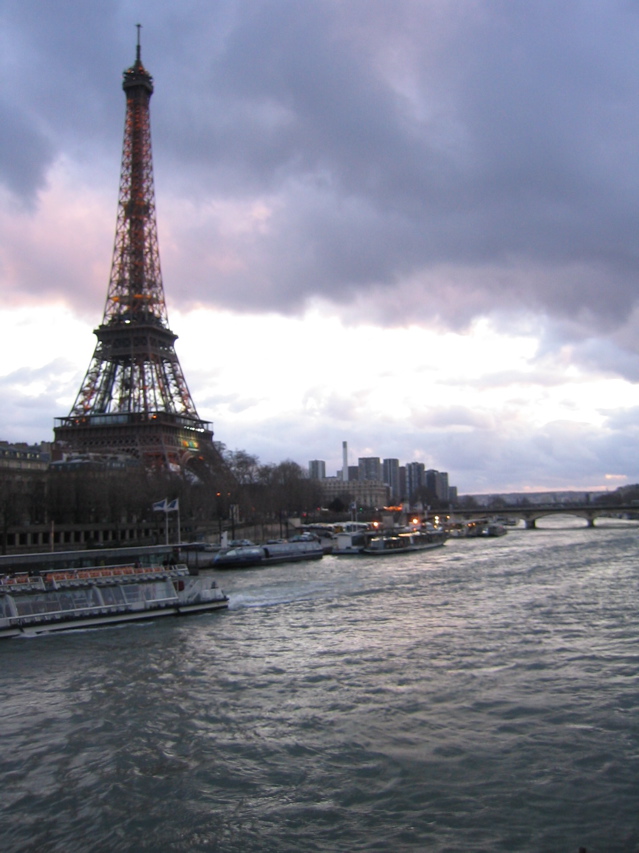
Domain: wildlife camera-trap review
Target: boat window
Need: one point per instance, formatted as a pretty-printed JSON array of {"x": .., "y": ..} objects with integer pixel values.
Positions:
[
  {"x": 43, "y": 603},
  {"x": 65, "y": 601},
  {"x": 112, "y": 595},
  {"x": 23, "y": 606},
  {"x": 132, "y": 593},
  {"x": 85, "y": 597},
  {"x": 159, "y": 591}
]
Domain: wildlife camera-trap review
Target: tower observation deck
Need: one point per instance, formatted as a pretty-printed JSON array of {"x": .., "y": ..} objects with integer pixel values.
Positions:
[{"x": 134, "y": 399}]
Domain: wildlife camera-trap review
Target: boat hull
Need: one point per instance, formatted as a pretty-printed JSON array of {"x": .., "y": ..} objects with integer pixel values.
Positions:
[
  {"x": 270, "y": 554},
  {"x": 384, "y": 552},
  {"x": 102, "y": 620}
]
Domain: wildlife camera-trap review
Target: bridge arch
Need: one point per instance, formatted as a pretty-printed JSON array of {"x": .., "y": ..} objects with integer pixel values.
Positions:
[{"x": 530, "y": 520}]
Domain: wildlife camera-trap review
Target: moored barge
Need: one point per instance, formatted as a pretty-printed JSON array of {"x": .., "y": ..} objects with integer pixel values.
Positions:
[
  {"x": 297, "y": 549},
  {"x": 404, "y": 542}
]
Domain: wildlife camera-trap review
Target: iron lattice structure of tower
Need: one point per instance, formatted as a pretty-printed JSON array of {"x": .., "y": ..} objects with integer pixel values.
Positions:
[{"x": 134, "y": 399}]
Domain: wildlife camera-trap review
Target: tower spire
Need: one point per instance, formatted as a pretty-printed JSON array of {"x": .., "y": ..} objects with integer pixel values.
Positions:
[{"x": 134, "y": 398}]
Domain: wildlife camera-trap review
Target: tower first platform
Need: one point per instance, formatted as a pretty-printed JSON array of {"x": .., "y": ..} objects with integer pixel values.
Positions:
[{"x": 134, "y": 399}]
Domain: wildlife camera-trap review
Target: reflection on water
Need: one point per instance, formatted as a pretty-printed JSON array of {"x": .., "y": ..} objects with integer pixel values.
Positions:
[{"x": 481, "y": 697}]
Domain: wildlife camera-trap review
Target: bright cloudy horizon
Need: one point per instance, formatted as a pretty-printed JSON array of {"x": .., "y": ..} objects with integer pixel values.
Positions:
[{"x": 409, "y": 226}]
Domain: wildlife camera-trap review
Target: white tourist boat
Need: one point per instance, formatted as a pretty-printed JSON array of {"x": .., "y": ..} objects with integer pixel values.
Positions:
[
  {"x": 404, "y": 542},
  {"x": 86, "y": 598}
]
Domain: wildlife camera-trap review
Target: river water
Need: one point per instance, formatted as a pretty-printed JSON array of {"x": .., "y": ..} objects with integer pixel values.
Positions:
[{"x": 483, "y": 697}]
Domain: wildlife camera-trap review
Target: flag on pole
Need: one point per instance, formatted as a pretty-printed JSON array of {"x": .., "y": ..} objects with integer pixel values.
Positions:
[
  {"x": 173, "y": 506},
  {"x": 160, "y": 506}
]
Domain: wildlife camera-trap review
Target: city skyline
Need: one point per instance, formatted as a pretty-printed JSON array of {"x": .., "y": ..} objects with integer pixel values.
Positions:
[
  {"x": 404, "y": 481},
  {"x": 400, "y": 223}
]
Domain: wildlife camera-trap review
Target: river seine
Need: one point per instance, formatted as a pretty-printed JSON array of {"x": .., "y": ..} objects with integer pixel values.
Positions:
[{"x": 482, "y": 697}]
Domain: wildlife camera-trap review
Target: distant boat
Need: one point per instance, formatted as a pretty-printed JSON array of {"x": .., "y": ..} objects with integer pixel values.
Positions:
[
  {"x": 296, "y": 549},
  {"x": 89, "y": 598},
  {"x": 352, "y": 542},
  {"x": 466, "y": 529},
  {"x": 346, "y": 537},
  {"x": 404, "y": 542},
  {"x": 394, "y": 541},
  {"x": 495, "y": 529}
]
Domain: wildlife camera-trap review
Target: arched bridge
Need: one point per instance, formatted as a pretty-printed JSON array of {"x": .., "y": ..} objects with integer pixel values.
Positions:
[{"x": 531, "y": 514}]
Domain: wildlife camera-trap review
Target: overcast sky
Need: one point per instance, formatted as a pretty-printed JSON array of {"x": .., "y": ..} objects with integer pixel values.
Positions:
[{"x": 407, "y": 224}]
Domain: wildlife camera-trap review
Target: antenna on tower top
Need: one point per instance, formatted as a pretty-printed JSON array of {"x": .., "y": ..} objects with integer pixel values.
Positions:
[{"x": 137, "y": 55}]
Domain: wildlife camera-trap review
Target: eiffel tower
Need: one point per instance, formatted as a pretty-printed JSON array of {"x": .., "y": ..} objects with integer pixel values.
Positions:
[{"x": 134, "y": 400}]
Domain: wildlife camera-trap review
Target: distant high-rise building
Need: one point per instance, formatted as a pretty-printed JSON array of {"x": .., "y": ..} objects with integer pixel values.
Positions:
[
  {"x": 390, "y": 475},
  {"x": 371, "y": 494},
  {"x": 414, "y": 478},
  {"x": 370, "y": 468},
  {"x": 317, "y": 469},
  {"x": 437, "y": 484},
  {"x": 445, "y": 488},
  {"x": 345, "y": 461}
]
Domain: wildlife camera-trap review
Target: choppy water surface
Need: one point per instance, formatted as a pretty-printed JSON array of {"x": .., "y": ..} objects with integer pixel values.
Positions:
[{"x": 483, "y": 697}]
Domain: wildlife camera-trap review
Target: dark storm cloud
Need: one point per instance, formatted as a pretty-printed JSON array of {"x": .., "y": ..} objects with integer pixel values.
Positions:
[
  {"x": 502, "y": 147},
  {"x": 425, "y": 161},
  {"x": 25, "y": 153},
  {"x": 57, "y": 96}
]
